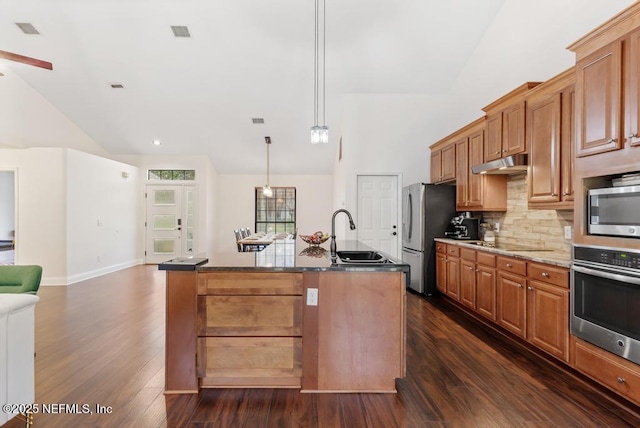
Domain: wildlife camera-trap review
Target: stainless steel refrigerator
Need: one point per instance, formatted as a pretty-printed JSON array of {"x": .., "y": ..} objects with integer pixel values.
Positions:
[{"x": 427, "y": 210}]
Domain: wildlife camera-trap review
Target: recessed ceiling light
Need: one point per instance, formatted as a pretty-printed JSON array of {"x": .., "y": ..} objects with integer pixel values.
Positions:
[
  {"x": 117, "y": 85},
  {"x": 27, "y": 28},
  {"x": 180, "y": 31},
  {"x": 257, "y": 120},
  {"x": 156, "y": 142}
]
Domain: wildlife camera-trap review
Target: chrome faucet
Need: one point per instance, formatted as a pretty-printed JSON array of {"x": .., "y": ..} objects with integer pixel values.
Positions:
[{"x": 352, "y": 225}]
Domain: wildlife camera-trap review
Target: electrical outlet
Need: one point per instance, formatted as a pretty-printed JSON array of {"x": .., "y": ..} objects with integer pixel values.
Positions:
[
  {"x": 312, "y": 297},
  {"x": 496, "y": 227},
  {"x": 568, "y": 232}
]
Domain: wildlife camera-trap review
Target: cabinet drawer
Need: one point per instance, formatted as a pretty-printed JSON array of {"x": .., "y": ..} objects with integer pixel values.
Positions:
[
  {"x": 441, "y": 248},
  {"x": 486, "y": 259},
  {"x": 468, "y": 254},
  {"x": 603, "y": 367},
  {"x": 512, "y": 265},
  {"x": 453, "y": 250},
  {"x": 252, "y": 283},
  {"x": 551, "y": 274},
  {"x": 249, "y": 361},
  {"x": 249, "y": 315}
]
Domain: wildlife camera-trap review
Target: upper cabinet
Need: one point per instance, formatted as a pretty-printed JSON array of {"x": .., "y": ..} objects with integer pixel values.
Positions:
[
  {"x": 474, "y": 192},
  {"x": 443, "y": 162},
  {"x": 505, "y": 125},
  {"x": 608, "y": 85},
  {"x": 550, "y": 139}
]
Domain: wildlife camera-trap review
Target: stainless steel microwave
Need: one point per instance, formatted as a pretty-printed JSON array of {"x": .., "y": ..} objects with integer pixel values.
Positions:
[{"x": 614, "y": 211}]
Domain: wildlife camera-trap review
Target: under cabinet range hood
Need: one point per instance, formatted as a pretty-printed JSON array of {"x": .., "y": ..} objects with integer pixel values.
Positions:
[{"x": 509, "y": 165}]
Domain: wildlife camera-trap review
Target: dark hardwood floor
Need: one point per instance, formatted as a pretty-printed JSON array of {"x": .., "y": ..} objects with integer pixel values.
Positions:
[{"x": 101, "y": 342}]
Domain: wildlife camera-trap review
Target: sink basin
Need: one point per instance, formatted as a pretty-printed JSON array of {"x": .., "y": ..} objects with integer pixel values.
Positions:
[{"x": 362, "y": 257}]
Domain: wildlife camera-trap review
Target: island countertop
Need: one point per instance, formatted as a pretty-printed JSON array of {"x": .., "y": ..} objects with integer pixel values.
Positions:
[{"x": 288, "y": 255}]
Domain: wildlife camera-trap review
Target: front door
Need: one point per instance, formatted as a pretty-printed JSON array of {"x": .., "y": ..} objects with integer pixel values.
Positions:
[
  {"x": 377, "y": 224},
  {"x": 170, "y": 222}
]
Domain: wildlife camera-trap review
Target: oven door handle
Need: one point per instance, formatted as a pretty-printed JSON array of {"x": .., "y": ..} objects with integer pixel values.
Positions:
[{"x": 607, "y": 275}]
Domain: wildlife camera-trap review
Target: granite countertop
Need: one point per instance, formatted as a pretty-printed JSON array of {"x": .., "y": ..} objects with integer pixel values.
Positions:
[
  {"x": 286, "y": 255},
  {"x": 550, "y": 257}
]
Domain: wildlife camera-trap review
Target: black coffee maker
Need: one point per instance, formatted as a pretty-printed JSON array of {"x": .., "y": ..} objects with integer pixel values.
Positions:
[{"x": 463, "y": 227}]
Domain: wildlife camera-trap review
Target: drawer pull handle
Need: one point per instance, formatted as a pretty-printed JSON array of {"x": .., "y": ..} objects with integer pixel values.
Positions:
[
  {"x": 621, "y": 379},
  {"x": 545, "y": 274}
]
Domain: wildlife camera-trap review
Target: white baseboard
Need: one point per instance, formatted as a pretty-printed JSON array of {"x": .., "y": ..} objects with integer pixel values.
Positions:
[{"x": 57, "y": 281}]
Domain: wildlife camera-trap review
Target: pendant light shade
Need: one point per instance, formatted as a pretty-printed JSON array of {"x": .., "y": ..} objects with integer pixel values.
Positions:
[
  {"x": 319, "y": 134},
  {"x": 267, "y": 191}
]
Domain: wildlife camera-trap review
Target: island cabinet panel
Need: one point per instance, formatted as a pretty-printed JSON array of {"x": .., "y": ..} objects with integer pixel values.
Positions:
[
  {"x": 249, "y": 315},
  {"x": 249, "y": 327},
  {"x": 256, "y": 362},
  {"x": 250, "y": 283},
  {"x": 356, "y": 332}
]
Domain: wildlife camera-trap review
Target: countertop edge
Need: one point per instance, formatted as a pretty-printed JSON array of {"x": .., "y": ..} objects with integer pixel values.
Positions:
[{"x": 550, "y": 257}]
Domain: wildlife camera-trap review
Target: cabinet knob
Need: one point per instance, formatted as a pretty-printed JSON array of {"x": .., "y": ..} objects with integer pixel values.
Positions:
[
  {"x": 530, "y": 288},
  {"x": 504, "y": 151},
  {"x": 554, "y": 194},
  {"x": 565, "y": 193},
  {"x": 520, "y": 286},
  {"x": 632, "y": 135},
  {"x": 497, "y": 153},
  {"x": 621, "y": 379},
  {"x": 477, "y": 270},
  {"x": 469, "y": 267},
  {"x": 611, "y": 141},
  {"x": 545, "y": 274},
  {"x": 509, "y": 265}
]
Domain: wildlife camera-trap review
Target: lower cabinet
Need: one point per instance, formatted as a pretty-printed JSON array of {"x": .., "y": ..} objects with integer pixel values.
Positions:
[
  {"x": 249, "y": 328},
  {"x": 527, "y": 298}
]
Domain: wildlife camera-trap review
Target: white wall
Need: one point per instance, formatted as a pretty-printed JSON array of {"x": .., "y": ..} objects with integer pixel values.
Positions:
[
  {"x": 236, "y": 203},
  {"x": 7, "y": 205},
  {"x": 103, "y": 210}
]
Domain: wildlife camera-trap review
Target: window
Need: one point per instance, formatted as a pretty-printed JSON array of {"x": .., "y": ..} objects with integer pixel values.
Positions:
[
  {"x": 171, "y": 174},
  {"x": 278, "y": 213}
]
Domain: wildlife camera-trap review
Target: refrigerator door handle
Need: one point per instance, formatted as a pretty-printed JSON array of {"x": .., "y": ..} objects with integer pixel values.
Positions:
[{"x": 410, "y": 216}]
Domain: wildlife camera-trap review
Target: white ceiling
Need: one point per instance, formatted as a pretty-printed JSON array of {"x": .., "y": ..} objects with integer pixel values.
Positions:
[{"x": 245, "y": 59}]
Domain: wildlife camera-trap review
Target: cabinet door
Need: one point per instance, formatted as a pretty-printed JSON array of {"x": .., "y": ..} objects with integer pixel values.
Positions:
[
  {"x": 476, "y": 181},
  {"x": 468, "y": 283},
  {"x": 548, "y": 312},
  {"x": 449, "y": 162},
  {"x": 441, "y": 273},
  {"x": 493, "y": 142},
  {"x": 513, "y": 130},
  {"x": 598, "y": 100},
  {"x": 543, "y": 139},
  {"x": 512, "y": 303},
  {"x": 632, "y": 90},
  {"x": 568, "y": 141},
  {"x": 462, "y": 173},
  {"x": 453, "y": 277},
  {"x": 436, "y": 166},
  {"x": 486, "y": 291}
]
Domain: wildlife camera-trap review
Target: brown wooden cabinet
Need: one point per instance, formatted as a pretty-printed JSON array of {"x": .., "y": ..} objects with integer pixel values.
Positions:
[
  {"x": 468, "y": 277},
  {"x": 486, "y": 285},
  {"x": 549, "y": 136},
  {"x": 527, "y": 298},
  {"x": 505, "y": 126},
  {"x": 475, "y": 192},
  {"x": 443, "y": 163},
  {"x": 249, "y": 328}
]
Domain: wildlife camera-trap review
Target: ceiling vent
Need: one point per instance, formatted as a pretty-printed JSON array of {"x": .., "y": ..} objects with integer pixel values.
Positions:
[
  {"x": 27, "y": 28},
  {"x": 257, "y": 120},
  {"x": 180, "y": 31},
  {"x": 117, "y": 85}
]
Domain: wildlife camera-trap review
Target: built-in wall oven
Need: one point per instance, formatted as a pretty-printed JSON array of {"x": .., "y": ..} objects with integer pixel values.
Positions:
[{"x": 605, "y": 299}]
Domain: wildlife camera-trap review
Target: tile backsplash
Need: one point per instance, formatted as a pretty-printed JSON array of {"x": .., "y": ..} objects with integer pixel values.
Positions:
[{"x": 542, "y": 229}]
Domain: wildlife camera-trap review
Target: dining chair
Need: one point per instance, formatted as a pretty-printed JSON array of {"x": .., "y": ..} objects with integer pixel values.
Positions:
[
  {"x": 244, "y": 232},
  {"x": 238, "y": 235}
]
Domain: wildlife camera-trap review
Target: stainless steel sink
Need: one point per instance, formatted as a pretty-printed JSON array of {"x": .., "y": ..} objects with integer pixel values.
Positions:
[{"x": 362, "y": 257}]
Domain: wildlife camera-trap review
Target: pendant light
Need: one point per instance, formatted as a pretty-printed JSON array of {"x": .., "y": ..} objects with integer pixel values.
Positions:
[
  {"x": 319, "y": 134},
  {"x": 267, "y": 191}
]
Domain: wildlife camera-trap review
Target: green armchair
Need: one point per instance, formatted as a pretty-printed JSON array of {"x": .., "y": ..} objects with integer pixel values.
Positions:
[{"x": 20, "y": 279}]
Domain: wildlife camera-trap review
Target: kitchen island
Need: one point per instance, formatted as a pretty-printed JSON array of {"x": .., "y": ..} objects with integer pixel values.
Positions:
[{"x": 285, "y": 317}]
